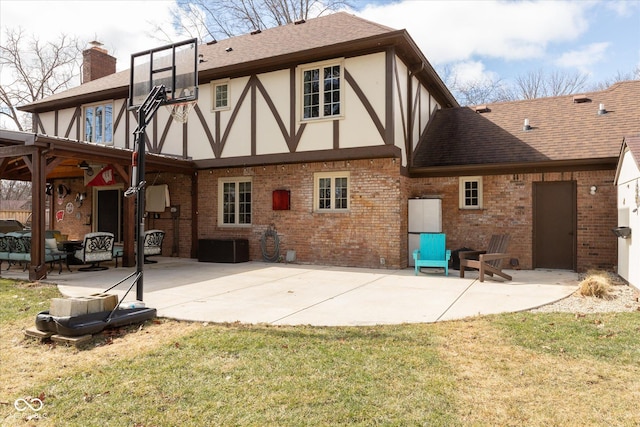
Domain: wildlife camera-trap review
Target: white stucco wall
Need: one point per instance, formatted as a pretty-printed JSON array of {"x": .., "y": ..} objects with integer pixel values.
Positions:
[
  {"x": 277, "y": 86},
  {"x": 356, "y": 127}
]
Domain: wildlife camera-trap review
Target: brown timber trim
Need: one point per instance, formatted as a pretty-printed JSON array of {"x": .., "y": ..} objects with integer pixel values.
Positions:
[
  {"x": 389, "y": 101},
  {"x": 607, "y": 163},
  {"x": 164, "y": 133},
  {"x": 254, "y": 116},
  {"x": 207, "y": 131},
  {"x": 396, "y": 76},
  {"x": 232, "y": 119},
  {"x": 119, "y": 117},
  {"x": 127, "y": 121},
  {"x": 37, "y": 124},
  {"x": 365, "y": 102},
  {"x": 293, "y": 140},
  {"x": 336, "y": 134},
  {"x": 154, "y": 142},
  {"x": 76, "y": 116},
  {"x": 274, "y": 111},
  {"x": 373, "y": 152},
  {"x": 217, "y": 125},
  {"x": 185, "y": 140}
]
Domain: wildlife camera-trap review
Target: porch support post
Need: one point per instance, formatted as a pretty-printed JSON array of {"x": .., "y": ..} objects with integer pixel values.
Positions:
[{"x": 38, "y": 267}]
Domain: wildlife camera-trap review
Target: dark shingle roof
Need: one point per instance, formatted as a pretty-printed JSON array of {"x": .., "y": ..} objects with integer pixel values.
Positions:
[
  {"x": 337, "y": 34},
  {"x": 561, "y": 130}
]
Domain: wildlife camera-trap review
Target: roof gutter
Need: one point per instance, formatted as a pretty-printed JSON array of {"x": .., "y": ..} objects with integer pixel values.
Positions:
[{"x": 605, "y": 163}]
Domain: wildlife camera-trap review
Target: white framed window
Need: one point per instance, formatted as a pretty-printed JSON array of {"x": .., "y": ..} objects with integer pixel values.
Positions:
[
  {"x": 220, "y": 91},
  {"x": 98, "y": 123},
  {"x": 470, "y": 192},
  {"x": 234, "y": 201},
  {"x": 321, "y": 91},
  {"x": 331, "y": 192}
]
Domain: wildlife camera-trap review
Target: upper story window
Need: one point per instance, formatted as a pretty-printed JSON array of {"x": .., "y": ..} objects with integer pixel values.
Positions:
[
  {"x": 331, "y": 191},
  {"x": 322, "y": 91},
  {"x": 220, "y": 91},
  {"x": 470, "y": 192},
  {"x": 98, "y": 123},
  {"x": 234, "y": 201}
]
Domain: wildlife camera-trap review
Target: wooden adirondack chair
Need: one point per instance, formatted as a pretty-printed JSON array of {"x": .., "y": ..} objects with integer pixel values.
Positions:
[
  {"x": 432, "y": 252},
  {"x": 489, "y": 261}
]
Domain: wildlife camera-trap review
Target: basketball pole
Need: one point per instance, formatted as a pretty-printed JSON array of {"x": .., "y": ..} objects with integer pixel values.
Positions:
[
  {"x": 146, "y": 111},
  {"x": 140, "y": 199}
]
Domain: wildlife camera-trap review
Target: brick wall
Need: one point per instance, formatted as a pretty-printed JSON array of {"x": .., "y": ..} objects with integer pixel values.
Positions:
[
  {"x": 508, "y": 209},
  {"x": 97, "y": 63},
  {"x": 375, "y": 228},
  {"x": 78, "y": 223},
  {"x": 177, "y": 239},
  {"x": 370, "y": 234},
  {"x": 74, "y": 224}
]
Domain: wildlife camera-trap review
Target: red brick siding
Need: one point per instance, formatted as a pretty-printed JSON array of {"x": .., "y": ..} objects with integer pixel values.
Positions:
[
  {"x": 376, "y": 225},
  {"x": 97, "y": 63},
  {"x": 507, "y": 208},
  {"x": 369, "y": 231},
  {"x": 180, "y": 190},
  {"x": 73, "y": 224}
]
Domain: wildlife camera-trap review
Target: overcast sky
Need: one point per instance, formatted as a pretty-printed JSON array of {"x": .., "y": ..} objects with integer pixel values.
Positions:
[{"x": 474, "y": 38}]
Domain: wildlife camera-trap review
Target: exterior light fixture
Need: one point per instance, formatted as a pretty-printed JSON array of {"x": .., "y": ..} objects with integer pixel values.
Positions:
[{"x": 80, "y": 199}]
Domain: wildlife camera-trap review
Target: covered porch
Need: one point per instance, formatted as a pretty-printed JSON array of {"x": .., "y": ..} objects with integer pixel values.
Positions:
[{"x": 43, "y": 159}]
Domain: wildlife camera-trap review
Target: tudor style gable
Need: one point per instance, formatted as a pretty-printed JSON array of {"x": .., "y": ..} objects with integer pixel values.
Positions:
[{"x": 331, "y": 87}]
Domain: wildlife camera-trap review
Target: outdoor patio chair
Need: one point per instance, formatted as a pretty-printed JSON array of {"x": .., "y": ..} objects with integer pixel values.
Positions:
[
  {"x": 19, "y": 249},
  {"x": 432, "y": 252},
  {"x": 96, "y": 247},
  {"x": 152, "y": 244},
  {"x": 489, "y": 261},
  {"x": 4, "y": 249}
]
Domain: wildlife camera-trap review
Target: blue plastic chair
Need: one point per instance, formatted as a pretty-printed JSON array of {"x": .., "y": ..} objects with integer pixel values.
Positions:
[{"x": 432, "y": 252}]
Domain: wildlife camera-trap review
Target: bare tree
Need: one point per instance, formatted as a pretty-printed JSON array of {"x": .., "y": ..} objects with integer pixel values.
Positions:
[
  {"x": 618, "y": 77},
  {"x": 538, "y": 84},
  {"x": 481, "y": 91},
  {"x": 15, "y": 190},
  {"x": 475, "y": 92},
  {"x": 217, "y": 19},
  {"x": 531, "y": 85},
  {"x": 34, "y": 70}
]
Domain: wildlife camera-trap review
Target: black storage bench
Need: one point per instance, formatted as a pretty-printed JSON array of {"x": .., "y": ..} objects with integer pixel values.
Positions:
[{"x": 223, "y": 250}]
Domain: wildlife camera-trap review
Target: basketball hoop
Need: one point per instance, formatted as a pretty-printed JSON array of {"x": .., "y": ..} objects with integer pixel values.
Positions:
[{"x": 180, "y": 111}]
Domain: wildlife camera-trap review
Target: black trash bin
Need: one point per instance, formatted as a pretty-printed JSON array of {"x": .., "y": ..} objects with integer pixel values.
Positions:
[{"x": 455, "y": 257}]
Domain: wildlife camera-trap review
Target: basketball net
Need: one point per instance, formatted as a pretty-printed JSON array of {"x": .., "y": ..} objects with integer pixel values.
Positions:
[{"x": 180, "y": 111}]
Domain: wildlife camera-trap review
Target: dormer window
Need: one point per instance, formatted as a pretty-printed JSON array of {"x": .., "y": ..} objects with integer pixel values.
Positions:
[{"x": 98, "y": 123}]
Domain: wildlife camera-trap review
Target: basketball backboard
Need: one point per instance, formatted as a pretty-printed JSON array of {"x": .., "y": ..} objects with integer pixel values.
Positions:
[{"x": 175, "y": 66}]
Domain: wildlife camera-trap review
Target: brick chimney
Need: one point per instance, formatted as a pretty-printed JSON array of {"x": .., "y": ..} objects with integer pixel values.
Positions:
[{"x": 96, "y": 63}]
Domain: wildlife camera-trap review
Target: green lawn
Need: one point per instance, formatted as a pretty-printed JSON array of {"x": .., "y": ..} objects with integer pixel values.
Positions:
[{"x": 516, "y": 369}]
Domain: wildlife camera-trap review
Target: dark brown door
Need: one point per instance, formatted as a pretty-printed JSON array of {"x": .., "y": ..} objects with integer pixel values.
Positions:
[
  {"x": 554, "y": 225},
  {"x": 108, "y": 212}
]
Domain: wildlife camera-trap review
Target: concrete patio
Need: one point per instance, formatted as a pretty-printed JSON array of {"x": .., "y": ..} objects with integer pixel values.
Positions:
[{"x": 293, "y": 294}]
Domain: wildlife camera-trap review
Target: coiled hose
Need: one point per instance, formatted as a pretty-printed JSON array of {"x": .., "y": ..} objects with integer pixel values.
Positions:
[{"x": 270, "y": 233}]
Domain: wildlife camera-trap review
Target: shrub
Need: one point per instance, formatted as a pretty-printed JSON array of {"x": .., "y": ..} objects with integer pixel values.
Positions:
[{"x": 596, "y": 284}]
